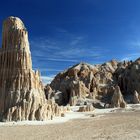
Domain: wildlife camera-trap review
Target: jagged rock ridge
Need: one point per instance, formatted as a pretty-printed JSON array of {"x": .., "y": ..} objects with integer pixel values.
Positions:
[
  {"x": 97, "y": 82},
  {"x": 84, "y": 80}
]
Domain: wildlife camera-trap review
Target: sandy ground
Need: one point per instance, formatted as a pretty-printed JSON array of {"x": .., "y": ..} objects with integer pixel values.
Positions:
[{"x": 108, "y": 124}]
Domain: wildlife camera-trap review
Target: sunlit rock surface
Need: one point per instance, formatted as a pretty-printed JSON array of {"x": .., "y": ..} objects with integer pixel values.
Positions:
[
  {"x": 98, "y": 82},
  {"x": 22, "y": 94}
]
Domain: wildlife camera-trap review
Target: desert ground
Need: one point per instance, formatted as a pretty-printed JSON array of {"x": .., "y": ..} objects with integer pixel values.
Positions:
[{"x": 115, "y": 124}]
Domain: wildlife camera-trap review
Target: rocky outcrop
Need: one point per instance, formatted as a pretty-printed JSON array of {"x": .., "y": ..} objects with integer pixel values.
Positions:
[
  {"x": 117, "y": 99},
  {"x": 98, "y": 82},
  {"x": 48, "y": 92},
  {"x": 85, "y": 81},
  {"x": 86, "y": 108},
  {"x": 22, "y": 94},
  {"x": 136, "y": 98},
  {"x": 128, "y": 80}
]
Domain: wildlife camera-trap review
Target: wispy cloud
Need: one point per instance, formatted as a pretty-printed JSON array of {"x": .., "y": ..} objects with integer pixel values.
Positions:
[
  {"x": 132, "y": 56},
  {"x": 62, "y": 60},
  {"x": 135, "y": 43},
  {"x": 79, "y": 52},
  {"x": 47, "y": 79},
  {"x": 63, "y": 50},
  {"x": 77, "y": 40},
  {"x": 132, "y": 50},
  {"x": 47, "y": 69},
  {"x": 126, "y": 59},
  {"x": 71, "y": 50}
]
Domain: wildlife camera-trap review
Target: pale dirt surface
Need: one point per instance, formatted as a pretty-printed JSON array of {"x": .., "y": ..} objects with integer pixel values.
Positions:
[{"x": 114, "y": 126}]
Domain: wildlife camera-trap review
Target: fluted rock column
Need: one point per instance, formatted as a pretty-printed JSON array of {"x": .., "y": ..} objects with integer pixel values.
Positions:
[{"x": 22, "y": 94}]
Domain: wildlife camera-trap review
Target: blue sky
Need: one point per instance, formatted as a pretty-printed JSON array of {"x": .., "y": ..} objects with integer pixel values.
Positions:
[{"x": 65, "y": 32}]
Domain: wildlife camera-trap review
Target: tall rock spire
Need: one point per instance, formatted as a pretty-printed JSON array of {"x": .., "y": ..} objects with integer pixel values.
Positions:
[
  {"x": 15, "y": 39},
  {"x": 22, "y": 94}
]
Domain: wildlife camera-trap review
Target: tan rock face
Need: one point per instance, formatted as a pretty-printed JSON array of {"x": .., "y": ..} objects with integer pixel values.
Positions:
[
  {"x": 136, "y": 98},
  {"x": 86, "y": 108},
  {"x": 98, "y": 82},
  {"x": 117, "y": 99},
  {"x": 85, "y": 81},
  {"x": 22, "y": 94}
]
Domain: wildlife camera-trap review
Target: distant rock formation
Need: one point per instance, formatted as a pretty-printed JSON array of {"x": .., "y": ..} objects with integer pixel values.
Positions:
[
  {"x": 136, "y": 98},
  {"x": 86, "y": 108},
  {"x": 98, "y": 82},
  {"x": 129, "y": 78},
  {"x": 117, "y": 99},
  {"x": 22, "y": 94},
  {"x": 85, "y": 81}
]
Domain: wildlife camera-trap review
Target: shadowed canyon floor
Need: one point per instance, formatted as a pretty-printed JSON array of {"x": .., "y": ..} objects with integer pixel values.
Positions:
[{"x": 112, "y": 126}]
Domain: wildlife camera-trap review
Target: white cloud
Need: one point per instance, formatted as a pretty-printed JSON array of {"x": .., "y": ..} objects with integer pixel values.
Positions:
[
  {"x": 47, "y": 79},
  {"x": 47, "y": 69},
  {"x": 63, "y": 60},
  {"x": 135, "y": 43},
  {"x": 67, "y": 48},
  {"x": 76, "y": 40},
  {"x": 132, "y": 56},
  {"x": 132, "y": 51},
  {"x": 125, "y": 59}
]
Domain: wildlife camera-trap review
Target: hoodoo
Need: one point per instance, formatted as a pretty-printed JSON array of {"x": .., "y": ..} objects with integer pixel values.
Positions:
[{"x": 22, "y": 94}]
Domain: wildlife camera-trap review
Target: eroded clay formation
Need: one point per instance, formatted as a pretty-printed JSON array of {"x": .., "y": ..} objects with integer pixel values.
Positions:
[
  {"x": 85, "y": 81},
  {"x": 21, "y": 90},
  {"x": 108, "y": 83}
]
